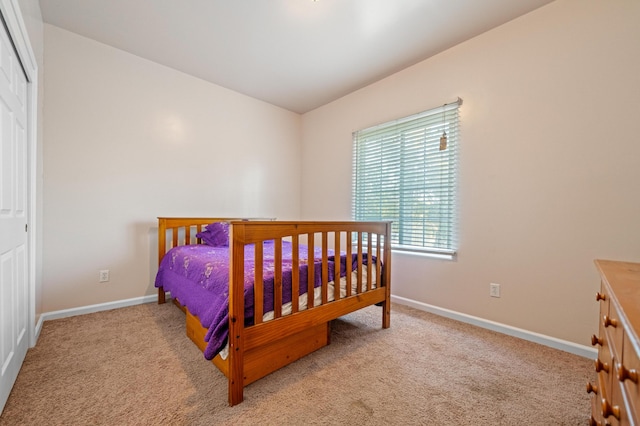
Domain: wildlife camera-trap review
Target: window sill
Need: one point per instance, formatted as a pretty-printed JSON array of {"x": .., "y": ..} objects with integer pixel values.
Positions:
[{"x": 431, "y": 255}]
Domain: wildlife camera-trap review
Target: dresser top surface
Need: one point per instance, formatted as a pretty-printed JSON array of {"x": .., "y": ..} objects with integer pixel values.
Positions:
[{"x": 624, "y": 280}]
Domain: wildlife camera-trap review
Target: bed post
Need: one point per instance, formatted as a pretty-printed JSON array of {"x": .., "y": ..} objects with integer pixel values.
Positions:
[
  {"x": 236, "y": 313},
  {"x": 162, "y": 246},
  {"x": 386, "y": 308}
]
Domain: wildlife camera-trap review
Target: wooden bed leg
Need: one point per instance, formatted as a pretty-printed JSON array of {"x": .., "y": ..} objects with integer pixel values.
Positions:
[
  {"x": 235, "y": 393},
  {"x": 386, "y": 304},
  {"x": 386, "y": 313},
  {"x": 386, "y": 279},
  {"x": 236, "y": 351},
  {"x": 160, "y": 295},
  {"x": 236, "y": 363}
]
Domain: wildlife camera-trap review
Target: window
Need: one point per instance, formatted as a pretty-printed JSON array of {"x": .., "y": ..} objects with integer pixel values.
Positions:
[{"x": 400, "y": 173}]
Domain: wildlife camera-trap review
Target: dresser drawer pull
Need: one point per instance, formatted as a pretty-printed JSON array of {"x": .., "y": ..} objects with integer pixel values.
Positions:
[
  {"x": 627, "y": 374},
  {"x": 600, "y": 366},
  {"x": 600, "y": 296},
  {"x": 595, "y": 340},
  {"x": 592, "y": 388},
  {"x": 608, "y": 410},
  {"x": 610, "y": 322}
]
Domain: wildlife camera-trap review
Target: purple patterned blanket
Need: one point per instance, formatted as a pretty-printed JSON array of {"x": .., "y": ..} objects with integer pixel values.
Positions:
[{"x": 198, "y": 276}]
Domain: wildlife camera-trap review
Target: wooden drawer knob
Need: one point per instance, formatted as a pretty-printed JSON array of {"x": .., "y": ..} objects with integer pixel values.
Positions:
[
  {"x": 592, "y": 388},
  {"x": 627, "y": 374},
  {"x": 600, "y": 366},
  {"x": 608, "y": 410},
  {"x": 600, "y": 296},
  {"x": 610, "y": 322},
  {"x": 595, "y": 340}
]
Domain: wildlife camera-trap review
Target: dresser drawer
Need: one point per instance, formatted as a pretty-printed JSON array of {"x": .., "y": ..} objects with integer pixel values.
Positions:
[
  {"x": 606, "y": 403},
  {"x": 603, "y": 297},
  {"x": 621, "y": 408},
  {"x": 614, "y": 330},
  {"x": 608, "y": 409},
  {"x": 596, "y": 418},
  {"x": 603, "y": 363},
  {"x": 627, "y": 373}
]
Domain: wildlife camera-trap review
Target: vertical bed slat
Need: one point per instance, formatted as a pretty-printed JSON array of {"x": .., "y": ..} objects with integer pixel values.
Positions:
[
  {"x": 349, "y": 262},
  {"x": 369, "y": 260},
  {"x": 359, "y": 280},
  {"x": 325, "y": 268},
  {"x": 295, "y": 274},
  {"x": 378, "y": 261},
  {"x": 198, "y": 230},
  {"x": 310, "y": 269},
  {"x": 277, "y": 280},
  {"x": 258, "y": 290},
  {"x": 337, "y": 267}
]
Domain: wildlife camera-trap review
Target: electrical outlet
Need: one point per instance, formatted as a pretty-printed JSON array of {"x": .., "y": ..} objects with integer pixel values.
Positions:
[
  {"x": 494, "y": 290},
  {"x": 103, "y": 276}
]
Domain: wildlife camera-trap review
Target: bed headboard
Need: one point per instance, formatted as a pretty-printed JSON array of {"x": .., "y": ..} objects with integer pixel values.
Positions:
[{"x": 178, "y": 231}]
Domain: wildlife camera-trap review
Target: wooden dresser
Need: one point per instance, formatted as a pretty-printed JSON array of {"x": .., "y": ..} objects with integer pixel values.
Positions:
[{"x": 616, "y": 394}]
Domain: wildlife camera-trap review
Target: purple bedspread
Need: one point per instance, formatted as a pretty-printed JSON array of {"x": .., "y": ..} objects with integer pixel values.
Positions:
[{"x": 198, "y": 276}]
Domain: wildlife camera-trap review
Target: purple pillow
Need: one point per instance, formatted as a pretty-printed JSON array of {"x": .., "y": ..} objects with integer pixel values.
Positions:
[{"x": 215, "y": 234}]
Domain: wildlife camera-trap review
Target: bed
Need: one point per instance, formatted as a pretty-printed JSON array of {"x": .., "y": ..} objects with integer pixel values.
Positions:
[{"x": 239, "y": 294}]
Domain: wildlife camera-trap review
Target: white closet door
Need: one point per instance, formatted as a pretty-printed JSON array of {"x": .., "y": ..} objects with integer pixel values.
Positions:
[{"x": 14, "y": 315}]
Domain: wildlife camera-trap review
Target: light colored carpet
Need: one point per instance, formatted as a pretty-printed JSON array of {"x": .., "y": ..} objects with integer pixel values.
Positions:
[{"x": 136, "y": 366}]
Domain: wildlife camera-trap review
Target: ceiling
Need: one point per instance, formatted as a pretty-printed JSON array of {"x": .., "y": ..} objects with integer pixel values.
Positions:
[{"x": 296, "y": 54}]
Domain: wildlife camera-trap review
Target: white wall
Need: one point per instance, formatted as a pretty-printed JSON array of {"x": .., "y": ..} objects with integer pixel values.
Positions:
[
  {"x": 128, "y": 140},
  {"x": 549, "y": 163}
]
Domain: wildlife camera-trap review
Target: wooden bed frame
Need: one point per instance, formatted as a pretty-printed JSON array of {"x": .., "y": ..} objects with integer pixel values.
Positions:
[{"x": 260, "y": 349}]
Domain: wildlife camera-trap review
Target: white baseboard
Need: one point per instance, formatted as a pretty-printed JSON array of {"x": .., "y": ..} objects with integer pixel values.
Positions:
[
  {"x": 563, "y": 345},
  {"x": 94, "y": 308},
  {"x": 36, "y": 334}
]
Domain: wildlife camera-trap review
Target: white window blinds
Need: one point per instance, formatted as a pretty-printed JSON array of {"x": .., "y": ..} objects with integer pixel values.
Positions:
[{"x": 401, "y": 174}]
